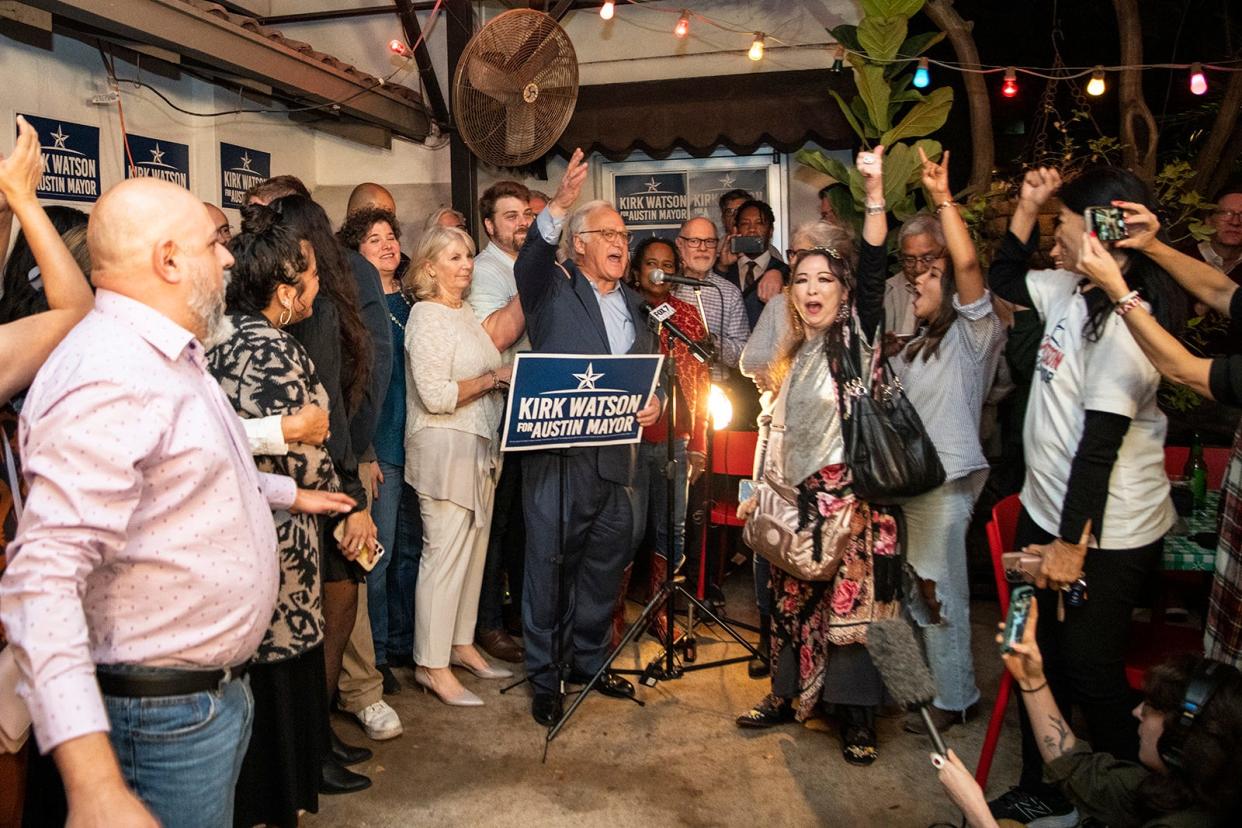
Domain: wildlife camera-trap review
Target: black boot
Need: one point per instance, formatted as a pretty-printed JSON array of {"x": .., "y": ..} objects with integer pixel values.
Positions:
[
  {"x": 346, "y": 754},
  {"x": 759, "y": 667},
  {"x": 338, "y": 779}
]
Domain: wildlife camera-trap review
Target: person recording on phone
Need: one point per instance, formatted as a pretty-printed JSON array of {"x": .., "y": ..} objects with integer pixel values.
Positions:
[
  {"x": 1094, "y": 443},
  {"x": 1189, "y": 735},
  {"x": 746, "y": 256}
]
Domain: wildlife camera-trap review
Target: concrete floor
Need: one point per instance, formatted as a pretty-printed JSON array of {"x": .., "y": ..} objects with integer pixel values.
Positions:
[{"x": 678, "y": 761}]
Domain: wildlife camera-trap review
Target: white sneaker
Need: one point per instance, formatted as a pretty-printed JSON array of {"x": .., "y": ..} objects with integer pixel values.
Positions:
[{"x": 380, "y": 721}]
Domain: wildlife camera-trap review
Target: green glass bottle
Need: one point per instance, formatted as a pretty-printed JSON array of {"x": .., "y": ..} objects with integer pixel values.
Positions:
[{"x": 1196, "y": 472}]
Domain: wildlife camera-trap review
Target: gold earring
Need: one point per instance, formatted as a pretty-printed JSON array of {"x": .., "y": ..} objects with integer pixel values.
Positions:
[{"x": 286, "y": 316}]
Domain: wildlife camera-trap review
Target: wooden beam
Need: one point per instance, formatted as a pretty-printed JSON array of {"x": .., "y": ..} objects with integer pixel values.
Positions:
[
  {"x": 422, "y": 57},
  {"x": 212, "y": 41},
  {"x": 464, "y": 169}
]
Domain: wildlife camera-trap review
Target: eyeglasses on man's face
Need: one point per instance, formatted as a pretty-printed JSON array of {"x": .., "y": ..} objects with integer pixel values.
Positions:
[
  {"x": 920, "y": 262},
  {"x": 1229, "y": 215},
  {"x": 609, "y": 235},
  {"x": 699, "y": 243}
]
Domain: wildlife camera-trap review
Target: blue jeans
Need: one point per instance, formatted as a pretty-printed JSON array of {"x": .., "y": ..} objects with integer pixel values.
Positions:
[
  {"x": 181, "y": 755},
  {"x": 390, "y": 585},
  {"x": 650, "y": 497},
  {"x": 936, "y": 524}
]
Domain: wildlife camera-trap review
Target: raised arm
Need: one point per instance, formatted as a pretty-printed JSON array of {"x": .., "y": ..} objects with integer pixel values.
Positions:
[
  {"x": 26, "y": 343},
  {"x": 505, "y": 325},
  {"x": 966, "y": 271},
  {"x": 538, "y": 254},
  {"x": 1168, "y": 355},
  {"x": 1205, "y": 282},
  {"x": 873, "y": 255}
]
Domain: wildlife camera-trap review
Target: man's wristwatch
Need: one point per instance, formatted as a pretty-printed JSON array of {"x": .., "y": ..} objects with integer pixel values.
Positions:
[{"x": 875, "y": 209}]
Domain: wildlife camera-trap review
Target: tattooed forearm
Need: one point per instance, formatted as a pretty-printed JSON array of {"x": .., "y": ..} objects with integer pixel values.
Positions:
[{"x": 1060, "y": 740}]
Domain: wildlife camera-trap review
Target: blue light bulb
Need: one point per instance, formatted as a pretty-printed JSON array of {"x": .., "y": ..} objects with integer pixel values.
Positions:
[{"x": 922, "y": 77}]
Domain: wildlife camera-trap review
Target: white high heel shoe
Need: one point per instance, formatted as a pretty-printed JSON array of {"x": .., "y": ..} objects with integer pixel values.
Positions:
[
  {"x": 488, "y": 672},
  {"x": 463, "y": 699}
]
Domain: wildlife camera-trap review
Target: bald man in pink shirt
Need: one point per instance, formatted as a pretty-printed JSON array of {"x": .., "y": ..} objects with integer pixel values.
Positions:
[{"x": 144, "y": 571}]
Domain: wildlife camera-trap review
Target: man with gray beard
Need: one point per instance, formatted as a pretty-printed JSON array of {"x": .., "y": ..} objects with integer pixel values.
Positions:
[{"x": 144, "y": 573}]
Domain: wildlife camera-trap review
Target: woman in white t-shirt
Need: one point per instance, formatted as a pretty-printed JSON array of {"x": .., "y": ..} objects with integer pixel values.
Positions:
[
  {"x": 1095, "y": 501},
  {"x": 946, "y": 370}
]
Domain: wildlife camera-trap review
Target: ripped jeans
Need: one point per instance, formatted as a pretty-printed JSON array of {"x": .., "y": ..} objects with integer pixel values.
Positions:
[{"x": 936, "y": 524}]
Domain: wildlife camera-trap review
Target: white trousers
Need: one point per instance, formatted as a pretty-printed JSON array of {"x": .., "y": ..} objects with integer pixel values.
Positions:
[{"x": 450, "y": 575}]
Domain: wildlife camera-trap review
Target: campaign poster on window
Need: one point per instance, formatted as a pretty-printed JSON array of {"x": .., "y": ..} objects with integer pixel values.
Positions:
[
  {"x": 240, "y": 169},
  {"x": 157, "y": 158},
  {"x": 70, "y": 159}
]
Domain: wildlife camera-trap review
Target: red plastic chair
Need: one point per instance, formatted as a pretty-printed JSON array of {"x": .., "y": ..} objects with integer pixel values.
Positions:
[
  {"x": 733, "y": 454},
  {"x": 1001, "y": 529},
  {"x": 1216, "y": 457}
]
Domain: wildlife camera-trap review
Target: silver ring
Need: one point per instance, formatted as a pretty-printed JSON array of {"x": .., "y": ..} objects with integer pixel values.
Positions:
[{"x": 867, "y": 158}]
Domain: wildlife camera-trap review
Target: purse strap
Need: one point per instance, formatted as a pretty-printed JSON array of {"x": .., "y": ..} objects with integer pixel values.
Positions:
[{"x": 10, "y": 466}]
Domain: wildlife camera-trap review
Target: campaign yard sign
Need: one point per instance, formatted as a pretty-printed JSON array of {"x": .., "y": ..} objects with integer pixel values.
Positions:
[
  {"x": 566, "y": 400},
  {"x": 240, "y": 169},
  {"x": 156, "y": 158},
  {"x": 70, "y": 159}
]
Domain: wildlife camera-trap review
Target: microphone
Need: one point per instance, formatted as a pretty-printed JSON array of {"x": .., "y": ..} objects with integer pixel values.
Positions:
[
  {"x": 900, "y": 661},
  {"x": 659, "y": 277},
  {"x": 661, "y": 316}
]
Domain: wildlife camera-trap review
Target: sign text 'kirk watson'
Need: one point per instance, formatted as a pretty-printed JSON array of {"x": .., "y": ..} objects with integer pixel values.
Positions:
[{"x": 561, "y": 400}]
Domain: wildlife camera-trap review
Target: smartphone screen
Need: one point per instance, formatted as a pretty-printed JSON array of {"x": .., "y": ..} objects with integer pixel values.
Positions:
[
  {"x": 1108, "y": 223},
  {"x": 1015, "y": 621},
  {"x": 745, "y": 490}
]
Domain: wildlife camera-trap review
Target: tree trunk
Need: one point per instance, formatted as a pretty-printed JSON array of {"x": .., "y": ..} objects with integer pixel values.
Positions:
[
  {"x": 1214, "y": 163},
  {"x": 983, "y": 148},
  {"x": 1138, "y": 127}
]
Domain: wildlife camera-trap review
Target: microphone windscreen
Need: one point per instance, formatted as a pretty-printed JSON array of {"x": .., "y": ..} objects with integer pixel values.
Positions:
[
  {"x": 899, "y": 659},
  {"x": 657, "y": 277}
]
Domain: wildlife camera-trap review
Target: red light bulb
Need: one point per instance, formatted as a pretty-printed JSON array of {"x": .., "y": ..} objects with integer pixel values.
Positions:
[{"x": 1010, "y": 86}]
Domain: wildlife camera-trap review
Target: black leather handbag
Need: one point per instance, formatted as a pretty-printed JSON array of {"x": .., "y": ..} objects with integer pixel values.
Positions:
[{"x": 886, "y": 447}]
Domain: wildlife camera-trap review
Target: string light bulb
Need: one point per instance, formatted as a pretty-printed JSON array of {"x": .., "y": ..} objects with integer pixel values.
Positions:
[
  {"x": 1009, "y": 88},
  {"x": 1198, "y": 82},
  {"x": 1096, "y": 86},
  {"x": 606, "y": 10},
  {"x": 922, "y": 77},
  {"x": 838, "y": 59},
  {"x": 756, "y": 47},
  {"x": 398, "y": 47},
  {"x": 683, "y": 25}
]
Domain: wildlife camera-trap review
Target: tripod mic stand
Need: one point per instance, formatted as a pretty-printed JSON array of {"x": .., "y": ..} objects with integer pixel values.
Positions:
[{"x": 665, "y": 666}]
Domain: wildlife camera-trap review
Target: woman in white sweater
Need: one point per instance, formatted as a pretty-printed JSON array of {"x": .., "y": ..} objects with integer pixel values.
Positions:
[{"x": 454, "y": 377}]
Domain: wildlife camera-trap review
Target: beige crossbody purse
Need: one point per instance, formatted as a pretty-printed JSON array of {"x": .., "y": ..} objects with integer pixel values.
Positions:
[{"x": 14, "y": 715}]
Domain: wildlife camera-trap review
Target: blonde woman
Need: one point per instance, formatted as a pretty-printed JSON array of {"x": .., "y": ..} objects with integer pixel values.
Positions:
[{"x": 454, "y": 376}]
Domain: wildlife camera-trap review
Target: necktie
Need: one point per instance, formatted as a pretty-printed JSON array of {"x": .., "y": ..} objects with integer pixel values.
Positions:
[{"x": 750, "y": 274}]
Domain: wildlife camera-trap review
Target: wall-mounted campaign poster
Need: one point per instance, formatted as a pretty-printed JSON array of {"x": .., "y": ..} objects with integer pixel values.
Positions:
[
  {"x": 157, "y": 158},
  {"x": 240, "y": 169},
  {"x": 656, "y": 197},
  {"x": 70, "y": 159}
]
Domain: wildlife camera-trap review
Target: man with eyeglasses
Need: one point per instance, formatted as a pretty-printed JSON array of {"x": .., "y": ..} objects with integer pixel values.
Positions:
[
  {"x": 224, "y": 230},
  {"x": 1223, "y": 250},
  {"x": 582, "y": 307},
  {"x": 723, "y": 310},
  {"x": 922, "y": 247}
]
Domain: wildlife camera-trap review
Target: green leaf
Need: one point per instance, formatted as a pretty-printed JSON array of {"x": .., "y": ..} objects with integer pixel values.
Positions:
[
  {"x": 847, "y": 36},
  {"x": 899, "y": 162},
  {"x": 916, "y": 45},
  {"x": 888, "y": 8},
  {"x": 873, "y": 90},
  {"x": 924, "y": 117},
  {"x": 881, "y": 37},
  {"x": 905, "y": 208},
  {"x": 860, "y": 112},
  {"x": 844, "y": 205},
  {"x": 849, "y": 115},
  {"x": 830, "y": 167}
]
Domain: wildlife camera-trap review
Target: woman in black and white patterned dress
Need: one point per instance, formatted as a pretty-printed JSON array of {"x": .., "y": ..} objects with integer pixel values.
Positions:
[{"x": 264, "y": 371}]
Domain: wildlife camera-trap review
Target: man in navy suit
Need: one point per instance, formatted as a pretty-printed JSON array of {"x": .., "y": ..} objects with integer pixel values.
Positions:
[{"x": 582, "y": 307}]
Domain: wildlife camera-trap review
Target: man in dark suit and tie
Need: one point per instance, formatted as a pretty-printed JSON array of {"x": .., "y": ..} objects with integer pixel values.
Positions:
[{"x": 582, "y": 307}]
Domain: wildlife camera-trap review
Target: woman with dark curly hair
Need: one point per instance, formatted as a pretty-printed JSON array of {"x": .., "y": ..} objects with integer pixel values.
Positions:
[
  {"x": 376, "y": 234},
  {"x": 265, "y": 372}
]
